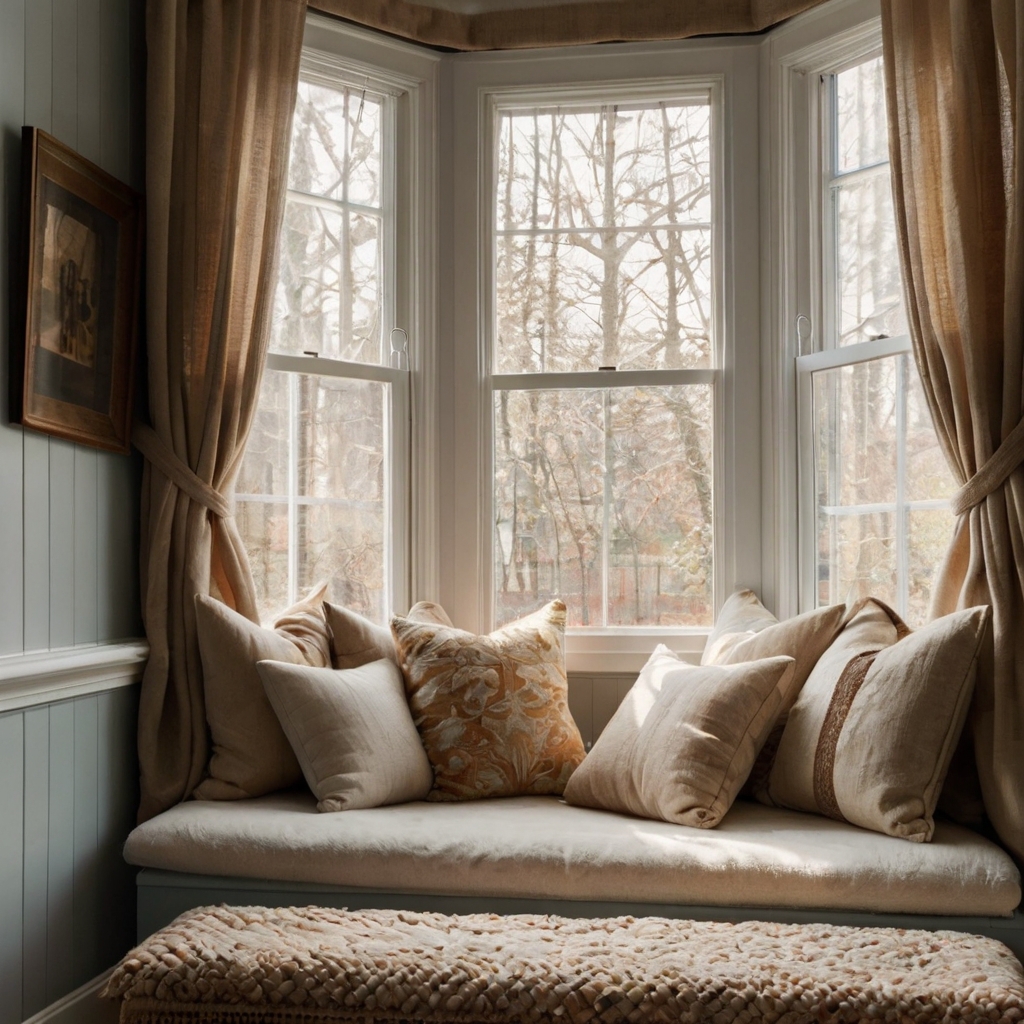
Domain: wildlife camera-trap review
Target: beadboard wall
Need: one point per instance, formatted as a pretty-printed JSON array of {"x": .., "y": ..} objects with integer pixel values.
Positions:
[
  {"x": 68, "y": 514},
  {"x": 68, "y": 557},
  {"x": 68, "y": 799}
]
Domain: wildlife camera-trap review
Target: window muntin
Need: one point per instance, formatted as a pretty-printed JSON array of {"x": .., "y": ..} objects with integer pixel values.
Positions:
[
  {"x": 603, "y": 323},
  {"x": 323, "y": 472},
  {"x": 863, "y": 279},
  {"x": 876, "y": 482},
  {"x": 603, "y": 240},
  {"x": 337, "y": 225}
]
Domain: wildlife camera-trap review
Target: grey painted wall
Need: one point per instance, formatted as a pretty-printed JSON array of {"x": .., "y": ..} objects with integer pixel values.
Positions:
[
  {"x": 68, "y": 550},
  {"x": 68, "y": 514},
  {"x": 68, "y": 799}
]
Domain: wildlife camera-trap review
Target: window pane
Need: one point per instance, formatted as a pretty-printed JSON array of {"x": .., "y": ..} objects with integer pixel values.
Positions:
[
  {"x": 861, "y": 129},
  {"x": 603, "y": 254},
  {"x": 881, "y": 482},
  {"x": 869, "y": 287},
  {"x": 603, "y": 498},
  {"x": 857, "y": 557},
  {"x": 328, "y": 297},
  {"x": 557, "y": 293},
  {"x": 332, "y": 473},
  {"x": 336, "y": 144},
  {"x": 855, "y": 415}
]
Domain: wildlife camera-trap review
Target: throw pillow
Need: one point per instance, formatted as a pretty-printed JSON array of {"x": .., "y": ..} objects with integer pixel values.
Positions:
[
  {"x": 351, "y": 731},
  {"x": 746, "y": 631},
  {"x": 681, "y": 743},
  {"x": 493, "y": 710},
  {"x": 250, "y": 753},
  {"x": 355, "y": 640},
  {"x": 870, "y": 737}
]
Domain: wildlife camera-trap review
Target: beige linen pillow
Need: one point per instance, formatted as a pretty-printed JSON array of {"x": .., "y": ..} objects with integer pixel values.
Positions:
[
  {"x": 493, "y": 710},
  {"x": 681, "y": 743},
  {"x": 250, "y": 754},
  {"x": 870, "y": 737},
  {"x": 746, "y": 631},
  {"x": 351, "y": 731},
  {"x": 355, "y": 640}
]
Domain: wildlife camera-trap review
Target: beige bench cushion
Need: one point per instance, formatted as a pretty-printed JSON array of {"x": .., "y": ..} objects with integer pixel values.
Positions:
[{"x": 541, "y": 847}]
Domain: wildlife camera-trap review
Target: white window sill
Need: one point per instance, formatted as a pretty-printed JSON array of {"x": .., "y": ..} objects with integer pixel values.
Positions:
[{"x": 622, "y": 652}]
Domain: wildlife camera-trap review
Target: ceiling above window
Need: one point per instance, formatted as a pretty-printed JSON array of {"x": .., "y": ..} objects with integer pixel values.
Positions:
[{"x": 516, "y": 24}]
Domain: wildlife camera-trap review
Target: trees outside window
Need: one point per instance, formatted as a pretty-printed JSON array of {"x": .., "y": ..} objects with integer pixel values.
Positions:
[{"x": 603, "y": 348}]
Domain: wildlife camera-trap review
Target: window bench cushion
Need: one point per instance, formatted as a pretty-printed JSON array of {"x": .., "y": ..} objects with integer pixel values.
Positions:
[{"x": 538, "y": 846}]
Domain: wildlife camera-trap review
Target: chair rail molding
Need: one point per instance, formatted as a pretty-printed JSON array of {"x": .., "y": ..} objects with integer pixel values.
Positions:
[{"x": 42, "y": 677}]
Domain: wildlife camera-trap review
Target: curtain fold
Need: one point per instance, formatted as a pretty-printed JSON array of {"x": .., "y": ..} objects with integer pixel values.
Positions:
[
  {"x": 221, "y": 81},
  {"x": 564, "y": 24},
  {"x": 954, "y": 96}
]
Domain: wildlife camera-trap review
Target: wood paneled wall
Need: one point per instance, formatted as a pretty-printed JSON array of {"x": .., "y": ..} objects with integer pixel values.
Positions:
[
  {"x": 68, "y": 514},
  {"x": 68, "y": 800}
]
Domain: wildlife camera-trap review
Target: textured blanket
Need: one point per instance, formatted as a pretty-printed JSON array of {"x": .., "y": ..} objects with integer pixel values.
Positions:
[{"x": 248, "y": 964}]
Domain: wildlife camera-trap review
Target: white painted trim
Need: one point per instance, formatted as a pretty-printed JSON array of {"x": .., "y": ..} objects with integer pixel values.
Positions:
[
  {"x": 83, "y": 1006},
  {"x": 727, "y": 71},
  {"x": 42, "y": 677}
]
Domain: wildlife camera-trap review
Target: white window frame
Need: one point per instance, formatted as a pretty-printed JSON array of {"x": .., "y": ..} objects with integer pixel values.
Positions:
[
  {"x": 480, "y": 82},
  {"x": 795, "y": 56},
  {"x": 408, "y": 76}
]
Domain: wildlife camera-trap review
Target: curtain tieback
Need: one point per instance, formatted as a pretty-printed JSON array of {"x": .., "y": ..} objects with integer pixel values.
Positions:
[
  {"x": 159, "y": 454},
  {"x": 1008, "y": 456}
]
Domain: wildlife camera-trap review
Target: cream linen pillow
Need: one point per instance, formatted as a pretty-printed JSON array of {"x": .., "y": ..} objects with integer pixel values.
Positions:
[
  {"x": 681, "y": 743},
  {"x": 746, "y": 631},
  {"x": 250, "y": 754},
  {"x": 355, "y": 640},
  {"x": 492, "y": 711},
  {"x": 351, "y": 731},
  {"x": 870, "y": 737}
]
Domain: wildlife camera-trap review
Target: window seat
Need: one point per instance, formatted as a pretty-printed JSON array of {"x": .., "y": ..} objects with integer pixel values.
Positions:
[{"x": 539, "y": 854}]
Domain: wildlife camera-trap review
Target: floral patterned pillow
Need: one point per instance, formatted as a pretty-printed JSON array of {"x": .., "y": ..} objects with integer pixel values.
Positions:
[{"x": 492, "y": 711}]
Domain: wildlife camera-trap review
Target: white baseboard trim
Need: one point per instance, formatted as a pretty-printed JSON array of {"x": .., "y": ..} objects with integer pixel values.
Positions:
[
  {"x": 83, "y": 1006},
  {"x": 42, "y": 677}
]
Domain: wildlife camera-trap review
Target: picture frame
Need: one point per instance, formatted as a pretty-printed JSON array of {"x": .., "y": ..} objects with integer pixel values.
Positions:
[{"x": 72, "y": 371}]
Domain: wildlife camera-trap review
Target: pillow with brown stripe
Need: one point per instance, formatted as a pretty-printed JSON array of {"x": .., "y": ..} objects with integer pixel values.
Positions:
[
  {"x": 746, "y": 631},
  {"x": 872, "y": 733}
]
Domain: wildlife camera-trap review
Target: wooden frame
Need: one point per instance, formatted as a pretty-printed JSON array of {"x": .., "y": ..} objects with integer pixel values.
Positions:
[{"x": 81, "y": 251}]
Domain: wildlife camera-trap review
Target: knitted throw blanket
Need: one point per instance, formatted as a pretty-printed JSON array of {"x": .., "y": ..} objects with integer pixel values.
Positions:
[{"x": 245, "y": 964}]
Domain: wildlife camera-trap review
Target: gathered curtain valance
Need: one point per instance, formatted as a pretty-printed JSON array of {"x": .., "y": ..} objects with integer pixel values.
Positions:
[{"x": 564, "y": 24}]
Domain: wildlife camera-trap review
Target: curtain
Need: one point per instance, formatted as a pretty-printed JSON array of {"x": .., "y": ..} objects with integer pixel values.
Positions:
[
  {"x": 563, "y": 24},
  {"x": 221, "y": 82},
  {"x": 954, "y": 96}
]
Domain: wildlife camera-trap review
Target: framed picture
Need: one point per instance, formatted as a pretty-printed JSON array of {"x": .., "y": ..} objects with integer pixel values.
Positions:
[{"x": 72, "y": 373}]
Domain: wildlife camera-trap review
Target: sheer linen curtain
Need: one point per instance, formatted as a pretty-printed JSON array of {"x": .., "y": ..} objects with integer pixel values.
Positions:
[
  {"x": 953, "y": 77},
  {"x": 221, "y": 83}
]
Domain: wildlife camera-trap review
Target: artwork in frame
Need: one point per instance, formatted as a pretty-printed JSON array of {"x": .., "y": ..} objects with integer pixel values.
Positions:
[{"x": 81, "y": 255}]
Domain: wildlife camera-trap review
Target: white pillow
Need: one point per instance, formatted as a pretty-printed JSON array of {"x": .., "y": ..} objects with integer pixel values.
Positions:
[{"x": 351, "y": 731}]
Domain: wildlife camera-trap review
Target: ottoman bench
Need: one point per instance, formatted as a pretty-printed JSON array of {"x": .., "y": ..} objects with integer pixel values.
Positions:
[{"x": 240, "y": 965}]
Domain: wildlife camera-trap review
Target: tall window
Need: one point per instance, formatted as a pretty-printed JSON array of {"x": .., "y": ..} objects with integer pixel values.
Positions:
[
  {"x": 603, "y": 347},
  {"x": 321, "y": 477},
  {"x": 876, "y": 483}
]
